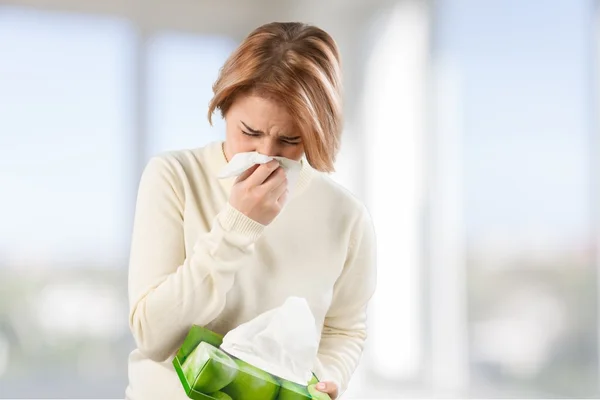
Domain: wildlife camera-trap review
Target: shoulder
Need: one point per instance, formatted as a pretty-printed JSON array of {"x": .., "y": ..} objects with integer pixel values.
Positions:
[
  {"x": 178, "y": 170},
  {"x": 185, "y": 163},
  {"x": 185, "y": 160},
  {"x": 339, "y": 202}
]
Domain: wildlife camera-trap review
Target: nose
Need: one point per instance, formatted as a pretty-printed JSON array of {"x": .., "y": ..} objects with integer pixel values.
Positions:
[{"x": 269, "y": 147}]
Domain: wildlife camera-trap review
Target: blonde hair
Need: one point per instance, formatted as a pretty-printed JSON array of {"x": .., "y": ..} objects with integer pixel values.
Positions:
[{"x": 298, "y": 65}]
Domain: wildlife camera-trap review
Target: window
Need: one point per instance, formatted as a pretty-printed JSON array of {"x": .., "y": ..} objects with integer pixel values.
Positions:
[
  {"x": 525, "y": 94},
  {"x": 181, "y": 71},
  {"x": 66, "y": 134},
  {"x": 65, "y": 144}
]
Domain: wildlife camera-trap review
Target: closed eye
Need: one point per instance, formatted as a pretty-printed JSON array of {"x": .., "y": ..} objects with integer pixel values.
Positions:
[
  {"x": 290, "y": 142},
  {"x": 290, "y": 139},
  {"x": 251, "y": 134}
]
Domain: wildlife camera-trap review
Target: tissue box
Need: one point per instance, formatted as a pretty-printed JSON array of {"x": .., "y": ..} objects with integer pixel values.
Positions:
[{"x": 208, "y": 373}]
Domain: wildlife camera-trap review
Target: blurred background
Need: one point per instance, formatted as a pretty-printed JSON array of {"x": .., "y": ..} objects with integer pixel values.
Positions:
[{"x": 471, "y": 134}]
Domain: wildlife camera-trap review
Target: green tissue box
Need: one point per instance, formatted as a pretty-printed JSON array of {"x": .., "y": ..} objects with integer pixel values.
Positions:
[{"x": 208, "y": 373}]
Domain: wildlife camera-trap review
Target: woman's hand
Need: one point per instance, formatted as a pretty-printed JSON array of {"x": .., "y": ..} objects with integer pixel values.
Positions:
[
  {"x": 260, "y": 192},
  {"x": 328, "y": 387}
]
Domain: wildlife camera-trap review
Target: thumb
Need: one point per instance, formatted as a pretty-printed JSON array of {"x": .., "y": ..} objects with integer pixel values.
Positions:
[{"x": 328, "y": 387}]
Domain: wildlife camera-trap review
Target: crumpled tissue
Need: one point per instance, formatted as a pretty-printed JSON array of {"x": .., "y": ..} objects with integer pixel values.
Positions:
[{"x": 242, "y": 161}]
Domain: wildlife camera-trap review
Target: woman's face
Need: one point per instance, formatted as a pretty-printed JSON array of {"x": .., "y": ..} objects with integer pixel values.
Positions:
[{"x": 255, "y": 123}]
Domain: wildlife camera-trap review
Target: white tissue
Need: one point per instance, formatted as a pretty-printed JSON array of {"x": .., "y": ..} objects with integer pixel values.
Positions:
[
  {"x": 283, "y": 341},
  {"x": 242, "y": 161}
]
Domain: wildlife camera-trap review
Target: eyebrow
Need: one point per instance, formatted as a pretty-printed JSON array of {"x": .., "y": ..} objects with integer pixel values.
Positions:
[
  {"x": 261, "y": 132},
  {"x": 250, "y": 129}
]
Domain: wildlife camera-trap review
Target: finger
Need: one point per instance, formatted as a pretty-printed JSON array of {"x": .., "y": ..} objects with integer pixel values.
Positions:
[
  {"x": 282, "y": 199},
  {"x": 274, "y": 180},
  {"x": 244, "y": 175},
  {"x": 262, "y": 173},
  {"x": 328, "y": 387},
  {"x": 279, "y": 190}
]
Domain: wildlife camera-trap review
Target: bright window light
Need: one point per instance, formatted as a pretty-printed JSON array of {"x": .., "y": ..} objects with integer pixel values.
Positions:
[{"x": 394, "y": 114}]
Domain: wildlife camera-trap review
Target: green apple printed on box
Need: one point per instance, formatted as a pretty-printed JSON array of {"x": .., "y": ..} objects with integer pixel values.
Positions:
[
  {"x": 207, "y": 372},
  {"x": 210, "y": 373}
]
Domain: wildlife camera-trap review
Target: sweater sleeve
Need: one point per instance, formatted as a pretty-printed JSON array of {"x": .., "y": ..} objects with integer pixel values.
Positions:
[
  {"x": 344, "y": 330},
  {"x": 170, "y": 290}
]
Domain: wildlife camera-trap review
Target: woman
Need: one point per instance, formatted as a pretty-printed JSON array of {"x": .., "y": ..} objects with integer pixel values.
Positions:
[{"x": 217, "y": 253}]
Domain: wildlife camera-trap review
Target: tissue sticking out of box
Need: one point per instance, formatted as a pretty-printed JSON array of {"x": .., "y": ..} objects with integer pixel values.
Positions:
[
  {"x": 283, "y": 341},
  {"x": 242, "y": 161}
]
